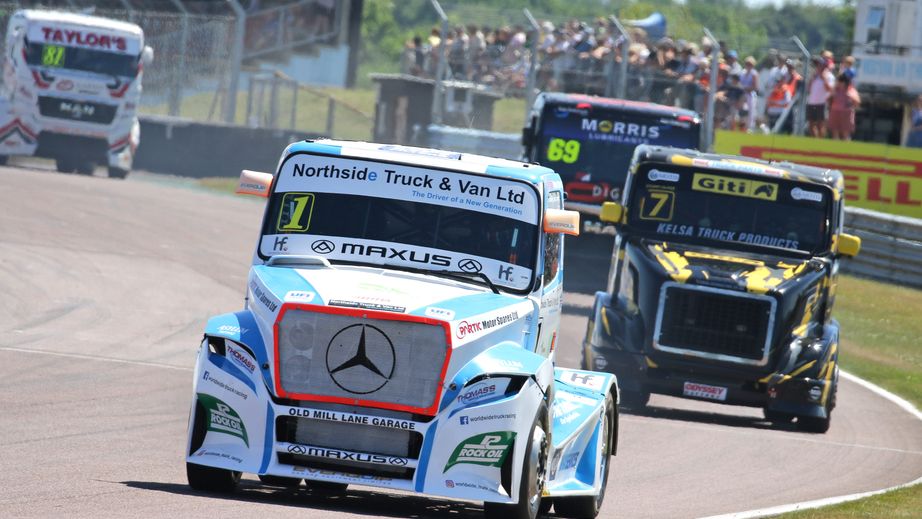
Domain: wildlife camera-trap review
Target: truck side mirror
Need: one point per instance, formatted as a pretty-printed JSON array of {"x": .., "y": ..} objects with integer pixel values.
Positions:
[
  {"x": 612, "y": 212},
  {"x": 561, "y": 221},
  {"x": 254, "y": 183},
  {"x": 147, "y": 55},
  {"x": 849, "y": 245},
  {"x": 527, "y": 137}
]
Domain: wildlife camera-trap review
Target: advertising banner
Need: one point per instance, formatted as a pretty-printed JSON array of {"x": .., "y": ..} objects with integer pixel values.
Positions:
[{"x": 877, "y": 176}]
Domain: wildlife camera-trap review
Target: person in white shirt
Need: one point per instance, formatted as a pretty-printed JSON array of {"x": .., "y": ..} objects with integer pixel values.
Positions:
[{"x": 818, "y": 90}]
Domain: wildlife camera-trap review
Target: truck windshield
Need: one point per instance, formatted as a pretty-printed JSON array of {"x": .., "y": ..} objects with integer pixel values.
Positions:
[
  {"x": 368, "y": 212},
  {"x": 86, "y": 60},
  {"x": 720, "y": 209},
  {"x": 591, "y": 148}
]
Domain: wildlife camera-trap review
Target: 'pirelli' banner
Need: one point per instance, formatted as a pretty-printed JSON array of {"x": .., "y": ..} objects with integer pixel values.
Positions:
[{"x": 877, "y": 176}]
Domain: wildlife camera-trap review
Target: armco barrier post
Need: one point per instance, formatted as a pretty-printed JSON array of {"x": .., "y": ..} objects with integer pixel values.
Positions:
[
  {"x": 230, "y": 102},
  {"x": 532, "y": 65},
  {"x": 437, "y": 94},
  {"x": 179, "y": 75},
  {"x": 708, "y": 140}
]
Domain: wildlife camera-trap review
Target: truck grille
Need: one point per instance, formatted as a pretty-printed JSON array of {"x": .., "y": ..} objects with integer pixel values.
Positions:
[
  {"x": 714, "y": 323},
  {"x": 351, "y": 359},
  {"x": 70, "y": 109}
]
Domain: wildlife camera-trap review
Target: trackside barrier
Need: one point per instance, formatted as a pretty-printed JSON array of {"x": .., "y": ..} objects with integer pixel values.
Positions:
[
  {"x": 877, "y": 176},
  {"x": 192, "y": 149},
  {"x": 891, "y": 246},
  {"x": 480, "y": 142}
]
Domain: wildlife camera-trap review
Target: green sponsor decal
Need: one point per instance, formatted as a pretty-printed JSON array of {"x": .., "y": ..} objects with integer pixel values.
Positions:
[
  {"x": 222, "y": 418},
  {"x": 489, "y": 449}
]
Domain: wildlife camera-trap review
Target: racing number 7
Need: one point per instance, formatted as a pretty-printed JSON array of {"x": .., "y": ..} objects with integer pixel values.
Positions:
[{"x": 657, "y": 205}]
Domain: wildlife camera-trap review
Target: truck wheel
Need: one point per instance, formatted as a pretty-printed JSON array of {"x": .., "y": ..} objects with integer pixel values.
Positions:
[
  {"x": 65, "y": 165},
  {"x": 280, "y": 481},
  {"x": 813, "y": 424},
  {"x": 777, "y": 416},
  {"x": 534, "y": 471},
  {"x": 587, "y": 507},
  {"x": 326, "y": 487},
  {"x": 117, "y": 173},
  {"x": 86, "y": 167},
  {"x": 635, "y": 400},
  {"x": 211, "y": 479}
]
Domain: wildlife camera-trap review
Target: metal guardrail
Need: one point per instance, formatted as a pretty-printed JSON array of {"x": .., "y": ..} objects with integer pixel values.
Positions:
[{"x": 891, "y": 247}]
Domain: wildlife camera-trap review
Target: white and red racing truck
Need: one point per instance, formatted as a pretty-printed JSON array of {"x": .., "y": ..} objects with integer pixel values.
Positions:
[{"x": 71, "y": 87}]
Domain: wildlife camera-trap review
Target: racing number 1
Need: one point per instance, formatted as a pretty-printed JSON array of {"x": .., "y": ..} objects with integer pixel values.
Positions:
[
  {"x": 657, "y": 205},
  {"x": 563, "y": 150},
  {"x": 295, "y": 213}
]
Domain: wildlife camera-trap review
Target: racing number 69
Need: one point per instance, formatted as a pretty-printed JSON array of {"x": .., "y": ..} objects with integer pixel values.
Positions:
[{"x": 563, "y": 150}]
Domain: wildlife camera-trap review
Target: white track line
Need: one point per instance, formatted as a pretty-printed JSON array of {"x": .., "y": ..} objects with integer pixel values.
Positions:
[
  {"x": 817, "y": 503},
  {"x": 94, "y": 357}
]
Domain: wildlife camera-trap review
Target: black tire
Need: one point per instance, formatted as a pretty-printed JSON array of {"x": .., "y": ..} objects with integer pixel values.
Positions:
[
  {"x": 4, "y": 159},
  {"x": 65, "y": 165},
  {"x": 326, "y": 487},
  {"x": 211, "y": 479},
  {"x": 534, "y": 475},
  {"x": 85, "y": 167},
  {"x": 588, "y": 507},
  {"x": 118, "y": 173},
  {"x": 635, "y": 400},
  {"x": 812, "y": 424},
  {"x": 280, "y": 481},
  {"x": 777, "y": 416}
]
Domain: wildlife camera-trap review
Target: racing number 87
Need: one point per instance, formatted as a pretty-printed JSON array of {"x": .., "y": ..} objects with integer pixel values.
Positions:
[
  {"x": 53, "y": 56},
  {"x": 563, "y": 150},
  {"x": 657, "y": 205}
]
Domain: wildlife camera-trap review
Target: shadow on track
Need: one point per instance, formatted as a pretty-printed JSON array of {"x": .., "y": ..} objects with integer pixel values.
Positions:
[
  {"x": 366, "y": 502},
  {"x": 707, "y": 417}
]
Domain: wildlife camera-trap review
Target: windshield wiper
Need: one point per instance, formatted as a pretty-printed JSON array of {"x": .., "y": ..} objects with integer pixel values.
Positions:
[
  {"x": 461, "y": 274},
  {"x": 451, "y": 274}
]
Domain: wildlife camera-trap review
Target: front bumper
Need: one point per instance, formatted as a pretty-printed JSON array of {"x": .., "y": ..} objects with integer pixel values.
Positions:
[
  {"x": 798, "y": 395},
  {"x": 468, "y": 450}
]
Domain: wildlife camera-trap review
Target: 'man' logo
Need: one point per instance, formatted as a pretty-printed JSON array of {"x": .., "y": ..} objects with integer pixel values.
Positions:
[{"x": 735, "y": 186}]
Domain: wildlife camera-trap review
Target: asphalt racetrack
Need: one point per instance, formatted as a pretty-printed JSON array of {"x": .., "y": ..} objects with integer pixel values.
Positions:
[{"x": 106, "y": 286}]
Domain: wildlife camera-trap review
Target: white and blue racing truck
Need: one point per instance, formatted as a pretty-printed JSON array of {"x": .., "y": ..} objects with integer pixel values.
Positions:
[{"x": 399, "y": 331}]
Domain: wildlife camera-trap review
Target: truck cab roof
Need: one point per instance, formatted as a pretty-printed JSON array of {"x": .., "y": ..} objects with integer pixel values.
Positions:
[
  {"x": 831, "y": 178},
  {"x": 558, "y": 98},
  {"x": 65, "y": 18},
  {"x": 427, "y": 157}
]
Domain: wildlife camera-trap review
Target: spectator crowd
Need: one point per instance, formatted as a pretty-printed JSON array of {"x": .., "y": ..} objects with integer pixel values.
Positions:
[{"x": 754, "y": 95}]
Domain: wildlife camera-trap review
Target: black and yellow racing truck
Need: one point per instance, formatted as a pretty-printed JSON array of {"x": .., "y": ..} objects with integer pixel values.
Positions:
[{"x": 722, "y": 283}]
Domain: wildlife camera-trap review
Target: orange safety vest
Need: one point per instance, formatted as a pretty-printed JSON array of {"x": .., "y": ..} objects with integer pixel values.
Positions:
[{"x": 781, "y": 95}]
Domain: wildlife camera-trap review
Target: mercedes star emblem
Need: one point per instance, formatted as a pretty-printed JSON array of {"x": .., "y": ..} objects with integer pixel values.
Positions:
[
  {"x": 360, "y": 359},
  {"x": 323, "y": 246},
  {"x": 470, "y": 265}
]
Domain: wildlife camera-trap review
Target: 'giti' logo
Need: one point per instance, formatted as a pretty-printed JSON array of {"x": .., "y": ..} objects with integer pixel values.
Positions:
[
  {"x": 489, "y": 449},
  {"x": 735, "y": 186}
]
